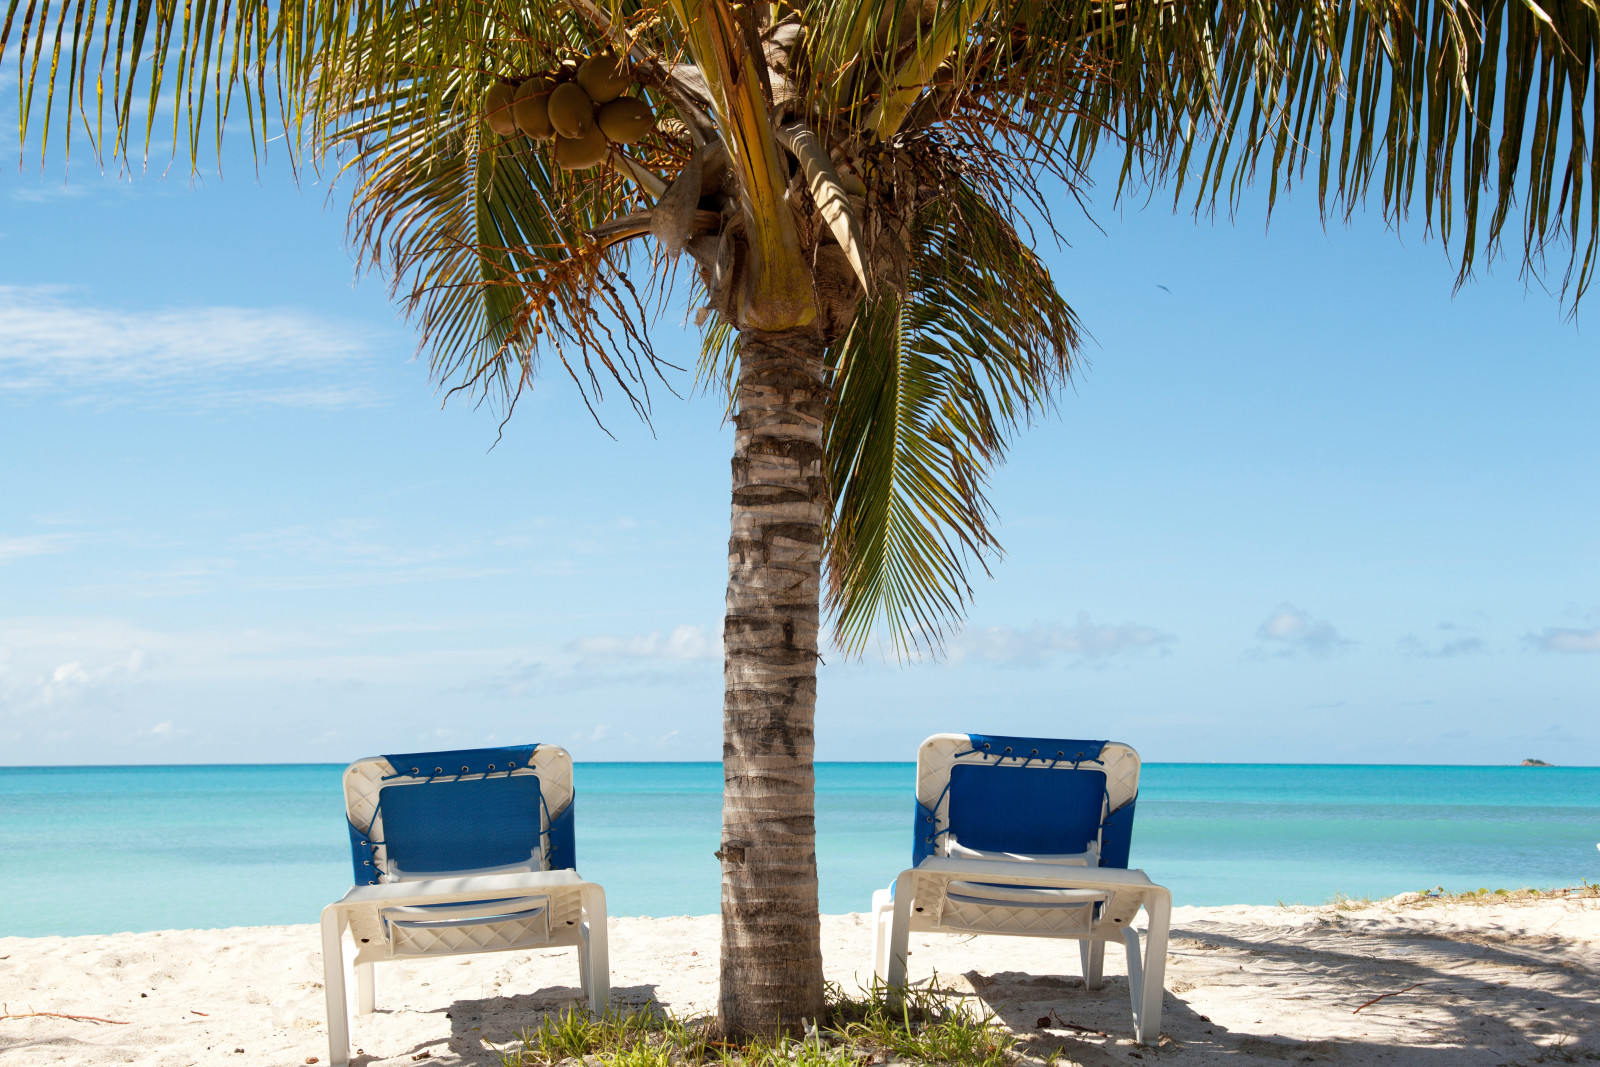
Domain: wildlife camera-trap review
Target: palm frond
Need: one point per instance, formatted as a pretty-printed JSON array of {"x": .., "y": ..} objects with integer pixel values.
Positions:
[
  {"x": 1467, "y": 111},
  {"x": 928, "y": 387},
  {"x": 485, "y": 240}
]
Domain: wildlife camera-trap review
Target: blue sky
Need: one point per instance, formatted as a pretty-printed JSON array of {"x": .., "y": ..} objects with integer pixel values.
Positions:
[{"x": 1304, "y": 503}]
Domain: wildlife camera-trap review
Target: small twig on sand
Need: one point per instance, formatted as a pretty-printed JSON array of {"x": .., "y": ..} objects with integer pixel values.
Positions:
[
  {"x": 1380, "y": 996},
  {"x": 205, "y": 1013},
  {"x": 1075, "y": 1027},
  {"x": 62, "y": 1015}
]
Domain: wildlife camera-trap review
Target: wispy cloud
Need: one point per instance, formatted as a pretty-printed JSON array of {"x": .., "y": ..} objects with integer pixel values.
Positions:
[
  {"x": 1449, "y": 643},
  {"x": 59, "y": 661},
  {"x": 210, "y": 356},
  {"x": 69, "y": 681},
  {"x": 36, "y": 545},
  {"x": 681, "y": 644},
  {"x": 1566, "y": 639},
  {"x": 1290, "y": 632},
  {"x": 1083, "y": 642}
]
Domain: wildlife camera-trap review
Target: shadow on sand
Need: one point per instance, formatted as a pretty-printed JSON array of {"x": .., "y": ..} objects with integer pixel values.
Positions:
[
  {"x": 482, "y": 1030},
  {"x": 1469, "y": 999}
]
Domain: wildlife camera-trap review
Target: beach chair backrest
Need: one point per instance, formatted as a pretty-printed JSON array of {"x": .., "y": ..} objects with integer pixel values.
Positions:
[
  {"x": 482, "y": 810},
  {"x": 1032, "y": 795}
]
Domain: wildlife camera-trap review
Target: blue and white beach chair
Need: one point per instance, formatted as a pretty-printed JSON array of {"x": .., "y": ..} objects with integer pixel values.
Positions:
[
  {"x": 458, "y": 852},
  {"x": 1028, "y": 836}
]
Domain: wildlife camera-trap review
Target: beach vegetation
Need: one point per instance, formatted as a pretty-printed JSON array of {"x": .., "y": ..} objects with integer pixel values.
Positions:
[
  {"x": 925, "y": 1026},
  {"x": 852, "y": 193},
  {"x": 1484, "y": 895}
]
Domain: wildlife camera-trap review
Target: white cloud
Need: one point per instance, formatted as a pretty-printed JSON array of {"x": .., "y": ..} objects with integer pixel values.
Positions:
[
  {"x": 1288, "y": 631},
  {"x": 70, "y": 680},
  {"x": 37, "y": 545},
  {"x": 1083, "y": 641},
  {"x": 1567, "y": 639},
  {"x": 683, "y": 643},
  {"x": 1449, "y": 644},
  {"x": 218, "y": 356},
  {"x": 62, "y": 661}
]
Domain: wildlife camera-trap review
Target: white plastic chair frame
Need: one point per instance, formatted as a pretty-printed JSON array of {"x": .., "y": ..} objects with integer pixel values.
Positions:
[
  {"x": 923, "y": 899},
  {"x": 501, "y": 909}
]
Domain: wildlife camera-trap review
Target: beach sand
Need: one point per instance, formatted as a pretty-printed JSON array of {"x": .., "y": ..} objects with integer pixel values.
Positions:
[{"x": 1505, "y": 983}]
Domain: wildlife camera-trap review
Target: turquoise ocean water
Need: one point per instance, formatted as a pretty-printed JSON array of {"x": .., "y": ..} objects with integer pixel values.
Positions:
[{"x": 102, "y": 849}]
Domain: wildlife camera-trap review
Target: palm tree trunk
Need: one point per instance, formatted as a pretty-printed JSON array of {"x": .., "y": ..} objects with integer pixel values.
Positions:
[{"x": 771, "y": 939}]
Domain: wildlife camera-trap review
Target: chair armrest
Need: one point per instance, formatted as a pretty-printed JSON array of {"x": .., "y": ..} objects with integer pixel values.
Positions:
[
  {"x": 1023, "y": 873},
  {"x": 449, "y": 890}
]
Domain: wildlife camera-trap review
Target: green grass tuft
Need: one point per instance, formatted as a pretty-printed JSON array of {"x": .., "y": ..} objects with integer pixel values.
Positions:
[{"x": 928, "y": 1025}]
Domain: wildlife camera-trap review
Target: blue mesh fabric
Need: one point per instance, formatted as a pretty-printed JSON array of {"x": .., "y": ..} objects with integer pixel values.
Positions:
[
  {"x": 458, "y": 826},
  {"x": 1021, "y": 809},
  {"x": 361, "y": 856},
  {"x": 1051, "y": 749},
  {"x": 563, "y": 849},
  {"x": 1117, "y": 836},
  {"x": 461, "y": 761}
]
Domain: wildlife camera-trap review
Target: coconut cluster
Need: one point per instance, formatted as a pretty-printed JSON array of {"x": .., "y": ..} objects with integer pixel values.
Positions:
[{"x": 584, "y": 107}]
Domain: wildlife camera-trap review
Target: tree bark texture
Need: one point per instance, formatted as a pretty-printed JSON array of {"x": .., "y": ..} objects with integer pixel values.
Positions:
[{"x": 771, "y": 939}]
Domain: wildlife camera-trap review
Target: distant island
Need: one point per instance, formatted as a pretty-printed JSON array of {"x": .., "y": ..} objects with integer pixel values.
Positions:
[{"x": 1534, "y": 763}]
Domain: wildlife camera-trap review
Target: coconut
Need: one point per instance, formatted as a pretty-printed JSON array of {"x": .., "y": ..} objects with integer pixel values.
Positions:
[
  {"x": 531, "y": 110},
  {"x": 604, "y": 78},
  {"x": 626, "y": 119},
  {"x": 571, "y": 110},
  {"x": 497, "y": 109},
  {"x": 577, "y": 153}
]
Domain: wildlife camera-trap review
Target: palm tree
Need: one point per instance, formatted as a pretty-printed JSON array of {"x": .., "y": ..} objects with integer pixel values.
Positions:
[{"x": 859, "y": 186}]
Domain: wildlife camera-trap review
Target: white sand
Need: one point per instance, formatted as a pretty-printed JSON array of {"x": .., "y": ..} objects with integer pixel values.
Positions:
[{"x": 1515, "y": 983}]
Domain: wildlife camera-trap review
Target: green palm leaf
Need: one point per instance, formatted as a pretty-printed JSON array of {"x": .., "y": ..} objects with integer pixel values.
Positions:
[{"x": 929, "y": 385}]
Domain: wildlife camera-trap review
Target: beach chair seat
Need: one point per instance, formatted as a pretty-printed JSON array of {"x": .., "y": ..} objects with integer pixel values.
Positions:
[
  {"x": 1028, "y": 836},
  {"x": 459, "y": 852}
]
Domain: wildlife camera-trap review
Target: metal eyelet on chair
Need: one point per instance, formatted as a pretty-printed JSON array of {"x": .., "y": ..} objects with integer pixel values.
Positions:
[
  {"x": 463, "y": 770},
  {"x": 438, "y": 770},
  {"x": 414, "y": 771}
]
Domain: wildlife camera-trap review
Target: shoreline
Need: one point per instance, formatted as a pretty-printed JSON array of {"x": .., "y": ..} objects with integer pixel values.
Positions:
[{"x": 1484, "y": 982}]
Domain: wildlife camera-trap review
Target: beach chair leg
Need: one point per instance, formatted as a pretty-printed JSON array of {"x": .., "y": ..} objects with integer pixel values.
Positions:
[
  {"x": 899, "y": 936},
  {"x": 599, "y": 963},
  {"x": 1147, "y": 973},
  {"x": 1130, "y": 938},
  {"x": 1159, "y": 908},
  {"x": 1092, "y": 954},
  {"x": 333, "y": 987},
  {"x": 365, "y": 994},
  {"x": 882, "y": 921},
  {"x": 583, "y": 961}
]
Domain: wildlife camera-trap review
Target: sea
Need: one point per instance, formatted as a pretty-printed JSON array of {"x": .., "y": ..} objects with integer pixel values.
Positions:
[{"x": 94, "y": 850}]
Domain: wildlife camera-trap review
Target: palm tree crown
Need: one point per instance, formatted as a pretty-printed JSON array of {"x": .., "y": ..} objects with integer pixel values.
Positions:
[{"x": 859, "y": 186}]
